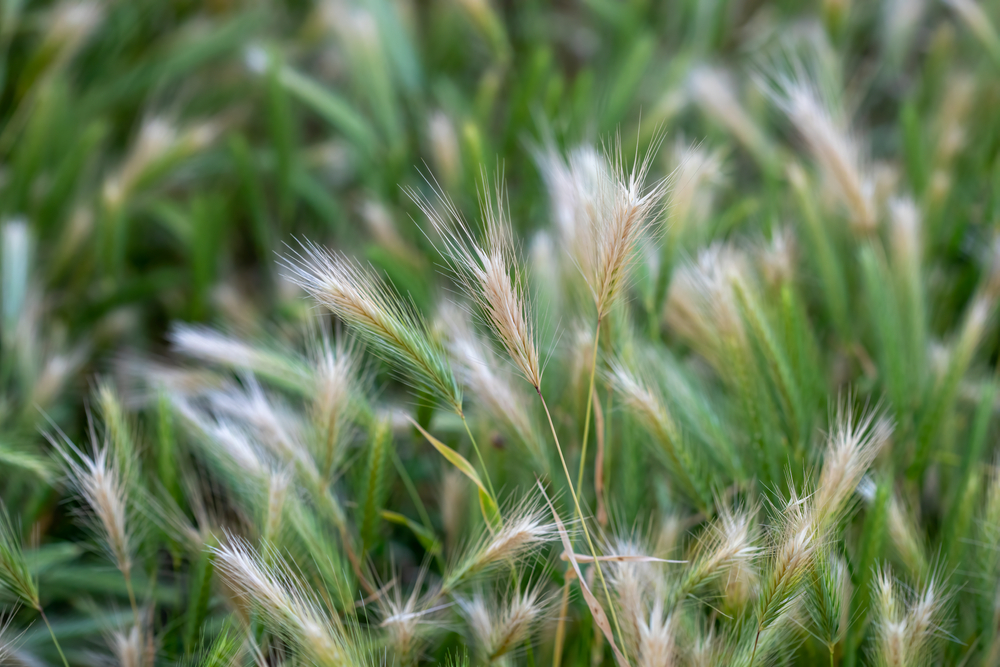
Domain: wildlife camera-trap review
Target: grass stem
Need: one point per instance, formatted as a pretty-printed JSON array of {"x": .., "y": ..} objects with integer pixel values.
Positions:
[
  {"x": 479, "y": 456},
  {"x": 590, "y": 393},
  {"x": 583, "y": 521},
  {"x": 53, "y": 635}
]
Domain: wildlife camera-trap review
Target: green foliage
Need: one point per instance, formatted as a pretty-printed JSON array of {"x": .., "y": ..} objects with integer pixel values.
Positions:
[{"x": 722, "y": 282}]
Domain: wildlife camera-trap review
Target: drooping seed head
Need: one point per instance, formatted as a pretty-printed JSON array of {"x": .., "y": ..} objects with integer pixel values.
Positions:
[
  {"x": 383, "y": 321},
  {"x": 490, "y": 272}
]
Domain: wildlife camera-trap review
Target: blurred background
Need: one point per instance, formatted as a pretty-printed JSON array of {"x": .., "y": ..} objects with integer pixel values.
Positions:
[{"x": 156, "y": 156}]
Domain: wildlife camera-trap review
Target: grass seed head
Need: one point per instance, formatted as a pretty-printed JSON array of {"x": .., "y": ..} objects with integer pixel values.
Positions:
[{"x": 382, "y": 320}]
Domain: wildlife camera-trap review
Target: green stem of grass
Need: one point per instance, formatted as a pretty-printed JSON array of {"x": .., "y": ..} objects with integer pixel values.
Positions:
[
  {"x": 131, "y": 593},
  {"x": 479, "y": 457},
  {"x": 53, "y": 635},
  {"x": 590, "y": 393},
  {"x": 583, "y": 521}
]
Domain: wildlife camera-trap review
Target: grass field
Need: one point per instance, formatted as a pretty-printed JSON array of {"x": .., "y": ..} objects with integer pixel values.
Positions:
[{"x": 469, "y": 332}]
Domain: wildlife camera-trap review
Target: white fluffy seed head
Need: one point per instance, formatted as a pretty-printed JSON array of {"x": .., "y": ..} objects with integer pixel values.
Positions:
[
  {"x": 268, "y": 585},
  {"x": 906, "y": 623},
  {"x": 101, "y": 483},
  {"x": 713, "y": 90},
  {"x": 491, "y": 273},
  {"x": 697, "y": 171},
  {"x": 604, "y": 209},
  {"x": 128, "y": 646},
  {"x": 702, "y": 305},
  {"x": 387, "y": 324},
  {"x": 524, "y": 531},
  {"x": 853, "y": 444},
  {"x": 823, "y": 127},
  {"x": 502, "y": 626}
]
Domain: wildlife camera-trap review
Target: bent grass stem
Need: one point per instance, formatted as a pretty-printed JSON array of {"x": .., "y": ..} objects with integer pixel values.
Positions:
[
  {"x": 479, "y": 456},
  {"x": 583, "y": 522}
]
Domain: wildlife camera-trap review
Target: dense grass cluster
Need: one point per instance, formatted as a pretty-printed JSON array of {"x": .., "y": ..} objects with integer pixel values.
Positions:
[{"x": 376, "y": 332}]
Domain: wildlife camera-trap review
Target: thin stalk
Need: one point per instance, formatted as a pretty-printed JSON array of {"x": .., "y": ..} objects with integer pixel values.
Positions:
[
  {"x": 561, "y": 628},
  {"x": 479, "y": 456},
  {"x": 755, "y": 641},
  {"x": 590, "y": 393},
  {"x": 53, "y": 635},
  {"x": 583, "y": 522},
  {"x": 131, "y": 593}
]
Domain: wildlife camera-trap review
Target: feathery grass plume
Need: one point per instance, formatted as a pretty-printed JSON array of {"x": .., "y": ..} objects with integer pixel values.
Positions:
[
  {"x": 852, "y": 445},
  {"x": 408, "y": 623},
  {"x": 652, "y": 411},
  {"x": 704, "y": 647},
  {"x": 702, "y": 306},
  {"x": 101, "y": 481},
  {"x": 697, "y": 171},
  {"x": 806, "y": 521},
  {"x": 777, "y": 259},
  {"x": 502, "y": 626},
  {"x": 274, "y": 424},
  {"x": 905, "y": 626},
  {"x": 226, "y": 442},
  {"x": 603, "y": 208},
  {"x": 206, "y": 344},
  {"x": 490, "y": 272},
  {"x": 634, "y": 207},
  {"x": 803, "y": 93},
  {"x": 658, "y": 640},
  {"x": 267, "y": 584},
  {"x": 274, "y": 508},
  {"x": 713, "y": 90},
  {"x": 387, "y": 324},
  {"x": 273, "y": 428},
  {"x": 334, "y": 405},
  {"x": 906, "y": 538},
  {"x": 792, "y": 556},
  {"x": 578, "y": 192},
  {"x": 8, "y": 645},
  {"x": 641, "y": 591},
  {"x": 634, "y": 585},
  {"x": 523, "y": 532},
  {"x": 481, "y": 377},
  {"x": 728, "y": 545},
  {"x": 130, "y": 647},
  {"x": 828, "y": 600},
  {"x": 15, "y": 575}
]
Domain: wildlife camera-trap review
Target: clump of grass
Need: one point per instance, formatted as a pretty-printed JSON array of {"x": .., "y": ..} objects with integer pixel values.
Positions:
[{"x": 713, "y": 241}]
